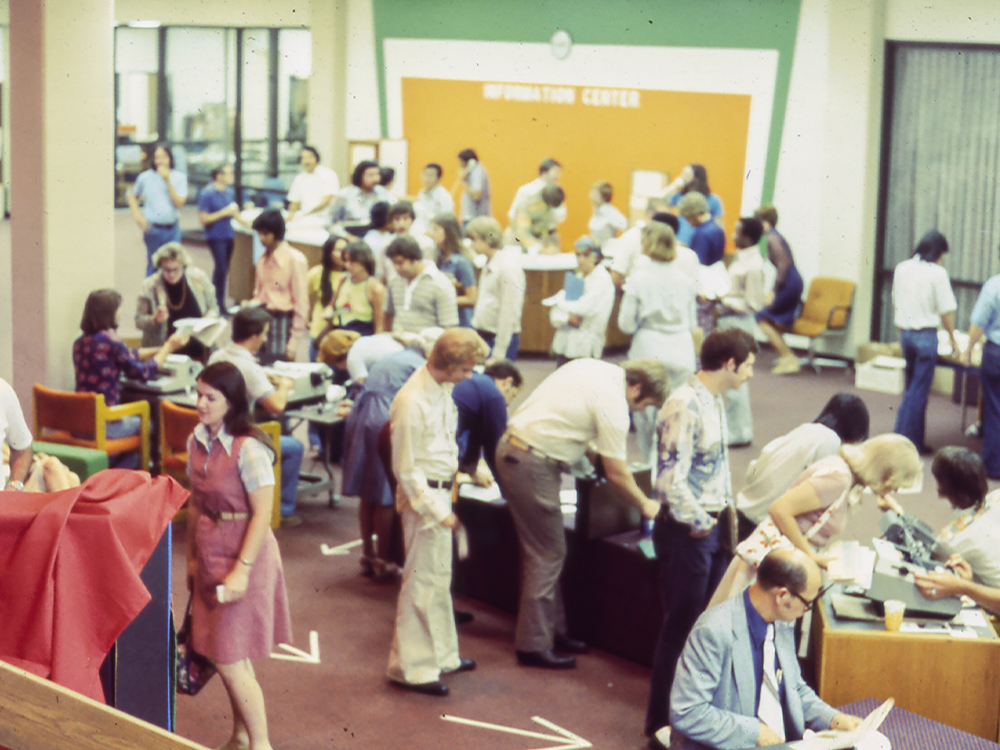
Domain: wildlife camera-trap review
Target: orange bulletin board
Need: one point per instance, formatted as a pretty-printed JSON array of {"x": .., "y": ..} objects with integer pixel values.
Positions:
[{"x": 596, "y": 133}]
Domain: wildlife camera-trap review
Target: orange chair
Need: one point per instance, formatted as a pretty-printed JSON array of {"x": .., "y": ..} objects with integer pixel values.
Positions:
[
  {"x": 827, "y": 308},
  {"x": 60, "y": 415},
  {"x": 273, "y": 430},
  {"x": 176, "y": 425}
]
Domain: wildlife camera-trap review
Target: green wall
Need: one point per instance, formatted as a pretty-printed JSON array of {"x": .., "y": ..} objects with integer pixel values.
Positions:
[{"x": 742, "y": 24}]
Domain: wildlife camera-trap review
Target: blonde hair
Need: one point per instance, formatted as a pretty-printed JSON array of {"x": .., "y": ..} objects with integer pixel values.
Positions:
[
  {"x": 692, "y": 204},
  {"x": 457, "y": 347},
  {"x": 171, "y": 251},
  {"x": 487, "y": 229},
  {"x": 884, "y": 463},
  {"x": 659, "y": 242}
]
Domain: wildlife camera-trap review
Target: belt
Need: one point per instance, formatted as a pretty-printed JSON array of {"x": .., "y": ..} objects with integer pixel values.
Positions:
[
  {"x": 665, "y": 514},
  {"x": 439, "y": 484},
  {"x": 515, "y": 441},
  {"x": 164, "y": 226},
  {"x": 220, "y": 515}
]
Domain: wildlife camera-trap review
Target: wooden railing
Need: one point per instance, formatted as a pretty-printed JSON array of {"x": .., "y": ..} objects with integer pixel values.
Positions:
[{"x": 37, "y": 714}]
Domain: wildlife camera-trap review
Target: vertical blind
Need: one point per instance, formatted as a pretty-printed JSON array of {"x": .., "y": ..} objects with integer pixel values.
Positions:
[{"x": 943, "y": 168}]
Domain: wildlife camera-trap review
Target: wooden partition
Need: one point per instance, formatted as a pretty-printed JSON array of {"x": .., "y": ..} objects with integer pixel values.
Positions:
[{"x": 37, "y": 714}]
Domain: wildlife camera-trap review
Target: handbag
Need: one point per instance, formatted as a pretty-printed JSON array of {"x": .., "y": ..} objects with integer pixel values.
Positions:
[
  {"x": 767, "y": 536},
  {"x": 193, "y": 669}
]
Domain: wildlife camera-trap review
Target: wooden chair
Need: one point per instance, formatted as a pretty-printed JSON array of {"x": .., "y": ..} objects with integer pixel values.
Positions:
[
  {"x": 827, "y": 309},
  {"x": 273, "y": 430},
  {"x": 61, "y": 415},
  {"x": 176, "y": 425}
]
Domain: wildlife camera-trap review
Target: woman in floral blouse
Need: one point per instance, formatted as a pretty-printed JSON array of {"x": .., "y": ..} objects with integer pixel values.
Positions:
[{"x": 100, "y": 358}]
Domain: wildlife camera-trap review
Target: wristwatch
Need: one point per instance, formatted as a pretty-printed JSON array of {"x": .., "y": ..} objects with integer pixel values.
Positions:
[{"x": 17, "y": 484}]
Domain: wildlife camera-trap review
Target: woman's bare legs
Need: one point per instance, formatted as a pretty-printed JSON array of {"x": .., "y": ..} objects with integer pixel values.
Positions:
[
  {"x": 787, "y": 362},
  {"x": 247, "y": 699}
]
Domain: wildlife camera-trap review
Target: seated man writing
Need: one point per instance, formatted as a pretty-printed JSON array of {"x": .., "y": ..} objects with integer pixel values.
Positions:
[
  {"x": 250, "y": 330},
  {"x": 738, "y": 682}
]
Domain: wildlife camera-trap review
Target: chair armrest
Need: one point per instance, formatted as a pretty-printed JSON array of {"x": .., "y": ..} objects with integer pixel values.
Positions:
[
  {"x": 134, "y": 408},
  {"x": 846, "y": 309}
]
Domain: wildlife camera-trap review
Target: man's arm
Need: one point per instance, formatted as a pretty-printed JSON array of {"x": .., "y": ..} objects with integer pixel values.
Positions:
[
  {"x": 274, "y": 403},
  {"x": 975, "y": 333},
  {"x": 300, "y": 306},
  {"x": 622, "y": 479},
  {"x": 446, "y": 303},
  {"x": 20, "y": 463},
  {"x": 133, "y": 206},
  {"x": 168, "y": 177}
]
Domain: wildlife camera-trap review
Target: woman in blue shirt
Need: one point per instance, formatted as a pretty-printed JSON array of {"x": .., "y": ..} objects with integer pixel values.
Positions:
[
  {"x": 693, "y": 179},
  {"x": 216, "y": 210},
  {"x": 454, "y": 264}
]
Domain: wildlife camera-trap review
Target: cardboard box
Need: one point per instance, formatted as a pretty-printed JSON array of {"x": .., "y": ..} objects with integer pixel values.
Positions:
[{"x": 882, "y": 374}]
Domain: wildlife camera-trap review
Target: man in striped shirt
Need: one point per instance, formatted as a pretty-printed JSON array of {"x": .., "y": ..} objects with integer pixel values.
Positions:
[{"x": 420, "y": 296}]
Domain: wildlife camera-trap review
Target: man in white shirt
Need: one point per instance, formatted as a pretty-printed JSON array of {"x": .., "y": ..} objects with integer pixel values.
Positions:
[
  {"x": 549, "y": 172},
  {"x": 585, "y": 401},
  {"x": 310, "y": 197},
  {"x": 423, "y": 422},
  {"x": 420, "y": 296},
  {"x": 502, "y": 284},
  {"x": 14, "y": 430},
  {"x": 922, "y": 298},
  {"x": 250, "y": 330},
  {"x": 434, "y": 199}
]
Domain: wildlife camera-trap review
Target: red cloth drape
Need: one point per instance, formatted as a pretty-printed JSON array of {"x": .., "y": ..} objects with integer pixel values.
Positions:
[{"x": 69, "y": 571}]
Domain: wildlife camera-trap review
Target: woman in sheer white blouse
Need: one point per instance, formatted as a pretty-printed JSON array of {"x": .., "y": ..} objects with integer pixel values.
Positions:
[{"x": 658, "y": 309}]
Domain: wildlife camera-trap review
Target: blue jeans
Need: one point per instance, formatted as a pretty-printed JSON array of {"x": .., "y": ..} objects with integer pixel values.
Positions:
[
  {"x": 122, "y": 428},
  {"x": 222, "y": 252},
  {"x": 156, "y": 237},
  {"x": 512, "y": 347},
  {"x": 920, "y": 350},
  {"x": 291, "y": 461},
  {"x": 690, "y": 571},
  {"x": 989, "y": 380}
]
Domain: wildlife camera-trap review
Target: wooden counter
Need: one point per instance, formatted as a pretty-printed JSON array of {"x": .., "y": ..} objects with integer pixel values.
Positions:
[{"x": 955, "y": 681}]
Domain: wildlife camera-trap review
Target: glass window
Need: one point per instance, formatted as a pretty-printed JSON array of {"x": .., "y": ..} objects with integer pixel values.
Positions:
[
  {"x": 199, "y": 69},
  {"x": 197, "y": 90}
]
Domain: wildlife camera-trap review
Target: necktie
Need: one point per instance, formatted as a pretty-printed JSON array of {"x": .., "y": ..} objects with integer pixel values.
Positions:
[{"x": 769, "y": 710}]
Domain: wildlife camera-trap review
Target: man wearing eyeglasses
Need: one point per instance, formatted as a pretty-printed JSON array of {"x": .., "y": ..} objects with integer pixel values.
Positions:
[{"x": 738, "y": 682}]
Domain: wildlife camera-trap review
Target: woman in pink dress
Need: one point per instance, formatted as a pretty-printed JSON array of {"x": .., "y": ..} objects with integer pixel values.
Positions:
[{"x": 239, "y": 608}]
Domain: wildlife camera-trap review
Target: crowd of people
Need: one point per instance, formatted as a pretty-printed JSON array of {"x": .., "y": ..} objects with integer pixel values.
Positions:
[{"x": 408, "y": 301}]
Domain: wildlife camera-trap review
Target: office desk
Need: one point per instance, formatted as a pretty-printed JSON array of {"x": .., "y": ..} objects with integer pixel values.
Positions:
[{"x": 952, "y": 680}]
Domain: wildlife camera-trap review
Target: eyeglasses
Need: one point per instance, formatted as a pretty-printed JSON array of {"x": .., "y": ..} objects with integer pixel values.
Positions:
[{"x": 819, "y": 595}]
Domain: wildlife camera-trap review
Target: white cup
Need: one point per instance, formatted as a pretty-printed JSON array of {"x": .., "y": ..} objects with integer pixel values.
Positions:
[{"x": 894, "y": 610}]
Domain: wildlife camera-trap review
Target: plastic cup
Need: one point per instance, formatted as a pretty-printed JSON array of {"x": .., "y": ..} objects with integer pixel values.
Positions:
[{"x": 894, "y": 610}]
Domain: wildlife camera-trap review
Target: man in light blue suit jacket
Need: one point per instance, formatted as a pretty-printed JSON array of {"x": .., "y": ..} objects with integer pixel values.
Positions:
[{"x": 715, "y": 694}]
